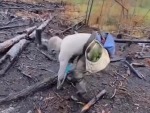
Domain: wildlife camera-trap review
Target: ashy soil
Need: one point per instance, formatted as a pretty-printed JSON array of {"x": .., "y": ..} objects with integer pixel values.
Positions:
[{"x": 126, "y": 93}]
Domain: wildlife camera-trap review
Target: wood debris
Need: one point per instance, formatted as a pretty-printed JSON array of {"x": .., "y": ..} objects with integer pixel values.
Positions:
[{"x": 93, "y": 101}]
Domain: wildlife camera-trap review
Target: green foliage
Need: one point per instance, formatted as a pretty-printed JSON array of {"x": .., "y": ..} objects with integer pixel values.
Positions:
[{"x": 95, "y": 53}]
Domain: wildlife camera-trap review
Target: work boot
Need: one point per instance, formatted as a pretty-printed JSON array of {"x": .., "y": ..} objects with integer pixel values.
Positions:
[
  {"x": 81, "y": 87},
  {"x": 81, "y": 90}
]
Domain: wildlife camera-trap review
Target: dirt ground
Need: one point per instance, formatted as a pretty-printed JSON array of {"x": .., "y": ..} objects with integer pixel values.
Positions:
[{"x": 132, "y": 95}]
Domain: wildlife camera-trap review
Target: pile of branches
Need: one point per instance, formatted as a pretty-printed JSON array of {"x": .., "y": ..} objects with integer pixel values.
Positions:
[{"x": 11, "y": 49}]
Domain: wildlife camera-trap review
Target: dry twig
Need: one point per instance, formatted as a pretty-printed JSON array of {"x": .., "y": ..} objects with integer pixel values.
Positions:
[
  {"x": 48, "y": 56},
  {"x": 114, "y": 93},
  {"x": 93, "y": 101},
  {"x": 133, "y": 70},
  {"x": 8, "y": 43}
]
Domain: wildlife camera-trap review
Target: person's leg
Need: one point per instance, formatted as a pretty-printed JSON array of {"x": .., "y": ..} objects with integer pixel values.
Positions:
[{"x": 79, "y": 75}]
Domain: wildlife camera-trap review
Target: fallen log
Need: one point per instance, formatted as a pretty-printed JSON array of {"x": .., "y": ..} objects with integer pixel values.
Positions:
[
  {"x": 8, "y": 43},
  {"x": 131, "y": 41},
  {"x": 14, "y": 52},
  {"x": 93, "y": 101},
  {"x": 30, "y": 90},
  {"x": 12, "y": 55},
  {"x": 28, "y": 30}
]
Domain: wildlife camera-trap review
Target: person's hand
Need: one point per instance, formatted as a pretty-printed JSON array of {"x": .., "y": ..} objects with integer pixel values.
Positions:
[{"x": 103, "y": 41}]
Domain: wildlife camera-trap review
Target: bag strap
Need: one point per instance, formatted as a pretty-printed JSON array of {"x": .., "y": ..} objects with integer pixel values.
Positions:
[{"x": 92, "y": 37}]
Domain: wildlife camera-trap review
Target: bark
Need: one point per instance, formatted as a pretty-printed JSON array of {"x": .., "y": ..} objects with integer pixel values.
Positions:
[
  {"x": 12, "y": 55},
  {"x": 15, "y": 51},
  {"x": 8, "y": 43},
  {"x": 48, "y": 82}
]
